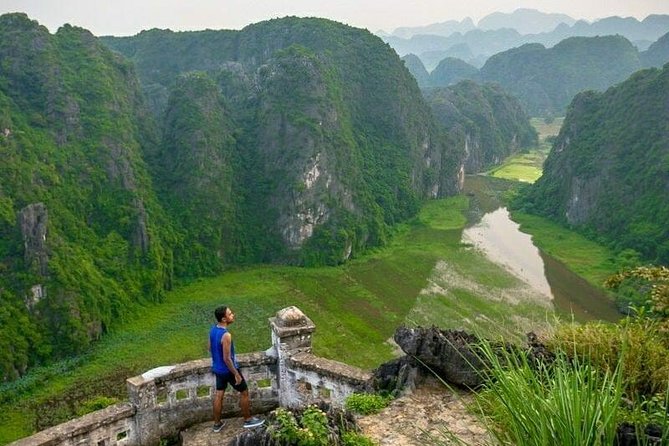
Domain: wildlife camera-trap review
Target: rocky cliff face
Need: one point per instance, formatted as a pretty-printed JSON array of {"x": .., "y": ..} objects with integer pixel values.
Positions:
[{"x": 33, "y": 221}]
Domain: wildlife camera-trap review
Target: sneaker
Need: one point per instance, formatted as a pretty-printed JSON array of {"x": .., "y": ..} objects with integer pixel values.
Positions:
[
  {"x": 217, "y": 427},
  {"x": 253, "y": 422}
]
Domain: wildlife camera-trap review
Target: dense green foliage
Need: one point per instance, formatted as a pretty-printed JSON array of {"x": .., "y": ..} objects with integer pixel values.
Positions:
[
  {"x": 450, "y": 71},
  {"x": 198, "y": 132},
  {"x": 313, "y": 427},
  {"x": 546, "y": 80},
  {"x": 608, "y": 171},
  {"x": 566, "y": 402},
  {"x": 603, "y": 375},
  {"x": 657, "y": 54},
  {"x": 637, "y": 345},
  {"x": 489, "y": 122},
  {"x": 73, "y": 131},
  {"x": 366, "y": 403}
]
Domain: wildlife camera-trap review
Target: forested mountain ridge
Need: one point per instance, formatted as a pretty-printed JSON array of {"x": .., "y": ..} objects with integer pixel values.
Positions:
[
  {"x": 450, "y": 71},
  {"x": 608, "y": 171},
  {"x": 657, "y": 53},
  {"x": 491, "y": 122},
  {"x": 82, "y": 234},
  {"x": 417, "y": 69},
  {"x": 546, "y": 79}
]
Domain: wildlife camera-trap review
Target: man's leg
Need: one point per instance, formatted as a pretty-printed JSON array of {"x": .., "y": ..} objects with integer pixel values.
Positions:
[
  {"x": 218, "y": 405},
  {"x": 244, "y": 404}
]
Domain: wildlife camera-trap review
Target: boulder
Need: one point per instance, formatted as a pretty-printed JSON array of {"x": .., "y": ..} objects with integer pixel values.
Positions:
[
  {"x": 449, "y": 354},
  {"x": 395, "y": 376}
]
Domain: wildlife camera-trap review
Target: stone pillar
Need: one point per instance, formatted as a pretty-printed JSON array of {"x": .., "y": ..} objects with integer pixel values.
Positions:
[
  {"x": 291, "y": 334},
  {"x": 142, "y": 395}
]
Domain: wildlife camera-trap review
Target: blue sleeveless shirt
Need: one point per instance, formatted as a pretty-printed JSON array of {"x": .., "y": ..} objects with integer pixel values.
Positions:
[{"x": 217, "y": 363}]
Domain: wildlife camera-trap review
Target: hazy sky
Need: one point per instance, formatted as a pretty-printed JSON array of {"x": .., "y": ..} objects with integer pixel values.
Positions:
[{"x": 127, "y": 17}]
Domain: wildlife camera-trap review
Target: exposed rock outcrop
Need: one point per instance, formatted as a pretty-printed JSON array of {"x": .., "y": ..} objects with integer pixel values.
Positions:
[
  {"x": 33, "y": 220},
  {"x": 396, "y": 376},
  {"x": 487, "y": 122},
  {"x": 448, "y": 353}
]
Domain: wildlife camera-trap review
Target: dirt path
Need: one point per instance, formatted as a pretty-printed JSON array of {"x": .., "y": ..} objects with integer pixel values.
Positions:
[{"x": 423, "y": 417}]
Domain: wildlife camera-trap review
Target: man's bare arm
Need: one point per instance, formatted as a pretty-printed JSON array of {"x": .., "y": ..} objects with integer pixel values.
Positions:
[{"x": 226, "y": 340}]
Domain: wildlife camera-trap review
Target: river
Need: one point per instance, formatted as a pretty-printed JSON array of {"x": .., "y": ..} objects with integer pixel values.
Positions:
[{"x": 492, "y": 231}]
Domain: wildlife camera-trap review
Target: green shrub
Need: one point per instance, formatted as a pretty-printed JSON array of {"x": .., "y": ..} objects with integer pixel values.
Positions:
[
  {"x": 355, "y": 439},
  {"x": 312, "y": 430},
  {"x": 366, "y": 403},
  {"x": 652, "y": 410}
]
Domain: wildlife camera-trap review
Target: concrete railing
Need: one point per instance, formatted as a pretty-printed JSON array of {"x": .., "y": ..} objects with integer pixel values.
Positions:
[{"x": 166, "y": 400}]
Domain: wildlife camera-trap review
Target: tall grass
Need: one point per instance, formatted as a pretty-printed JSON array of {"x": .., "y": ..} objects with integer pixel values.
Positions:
[
  {"x": 636, "y": 345},
  {"x": 568, "y": 403}
]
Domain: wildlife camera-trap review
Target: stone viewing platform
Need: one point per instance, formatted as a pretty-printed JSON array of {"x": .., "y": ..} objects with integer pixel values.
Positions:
[{"x": 168, "y": 400}]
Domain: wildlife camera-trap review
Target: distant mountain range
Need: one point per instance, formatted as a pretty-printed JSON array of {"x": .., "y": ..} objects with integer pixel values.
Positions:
[
  {"x": 546, "y": 79},
  {"x": 525, "y": 21},
  {"x": 499, "y": 32}
]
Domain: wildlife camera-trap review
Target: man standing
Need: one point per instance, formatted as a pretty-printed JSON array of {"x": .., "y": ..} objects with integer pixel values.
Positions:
[{"x": 226, "y": 370}]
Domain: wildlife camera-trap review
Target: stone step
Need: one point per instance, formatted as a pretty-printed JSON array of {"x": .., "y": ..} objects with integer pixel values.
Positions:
[{"x": 202, "y": 435}]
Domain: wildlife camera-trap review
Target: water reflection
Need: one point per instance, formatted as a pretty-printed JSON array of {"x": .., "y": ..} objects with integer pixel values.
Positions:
[{"x": 501, "y": 240}]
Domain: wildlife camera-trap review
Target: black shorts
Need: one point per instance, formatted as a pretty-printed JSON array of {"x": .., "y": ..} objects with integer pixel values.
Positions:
[{"x": 223, "y": 379}]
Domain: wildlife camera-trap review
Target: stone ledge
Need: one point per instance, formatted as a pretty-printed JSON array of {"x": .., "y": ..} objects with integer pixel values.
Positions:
[
  {"x": 81, "y": 426},
  {"x": 200, "y": 366},
  {"x": 331, "y": 368}
]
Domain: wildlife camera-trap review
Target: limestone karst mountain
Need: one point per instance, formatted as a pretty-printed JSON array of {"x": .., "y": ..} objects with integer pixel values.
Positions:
[
  {"x": 178, "y": 155},
  {"x": 490, "y": 122},
  {"x": 81, "y": 231},
  {"x": 334, "y": 140},
  {"x": 608, "y": 170}
]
